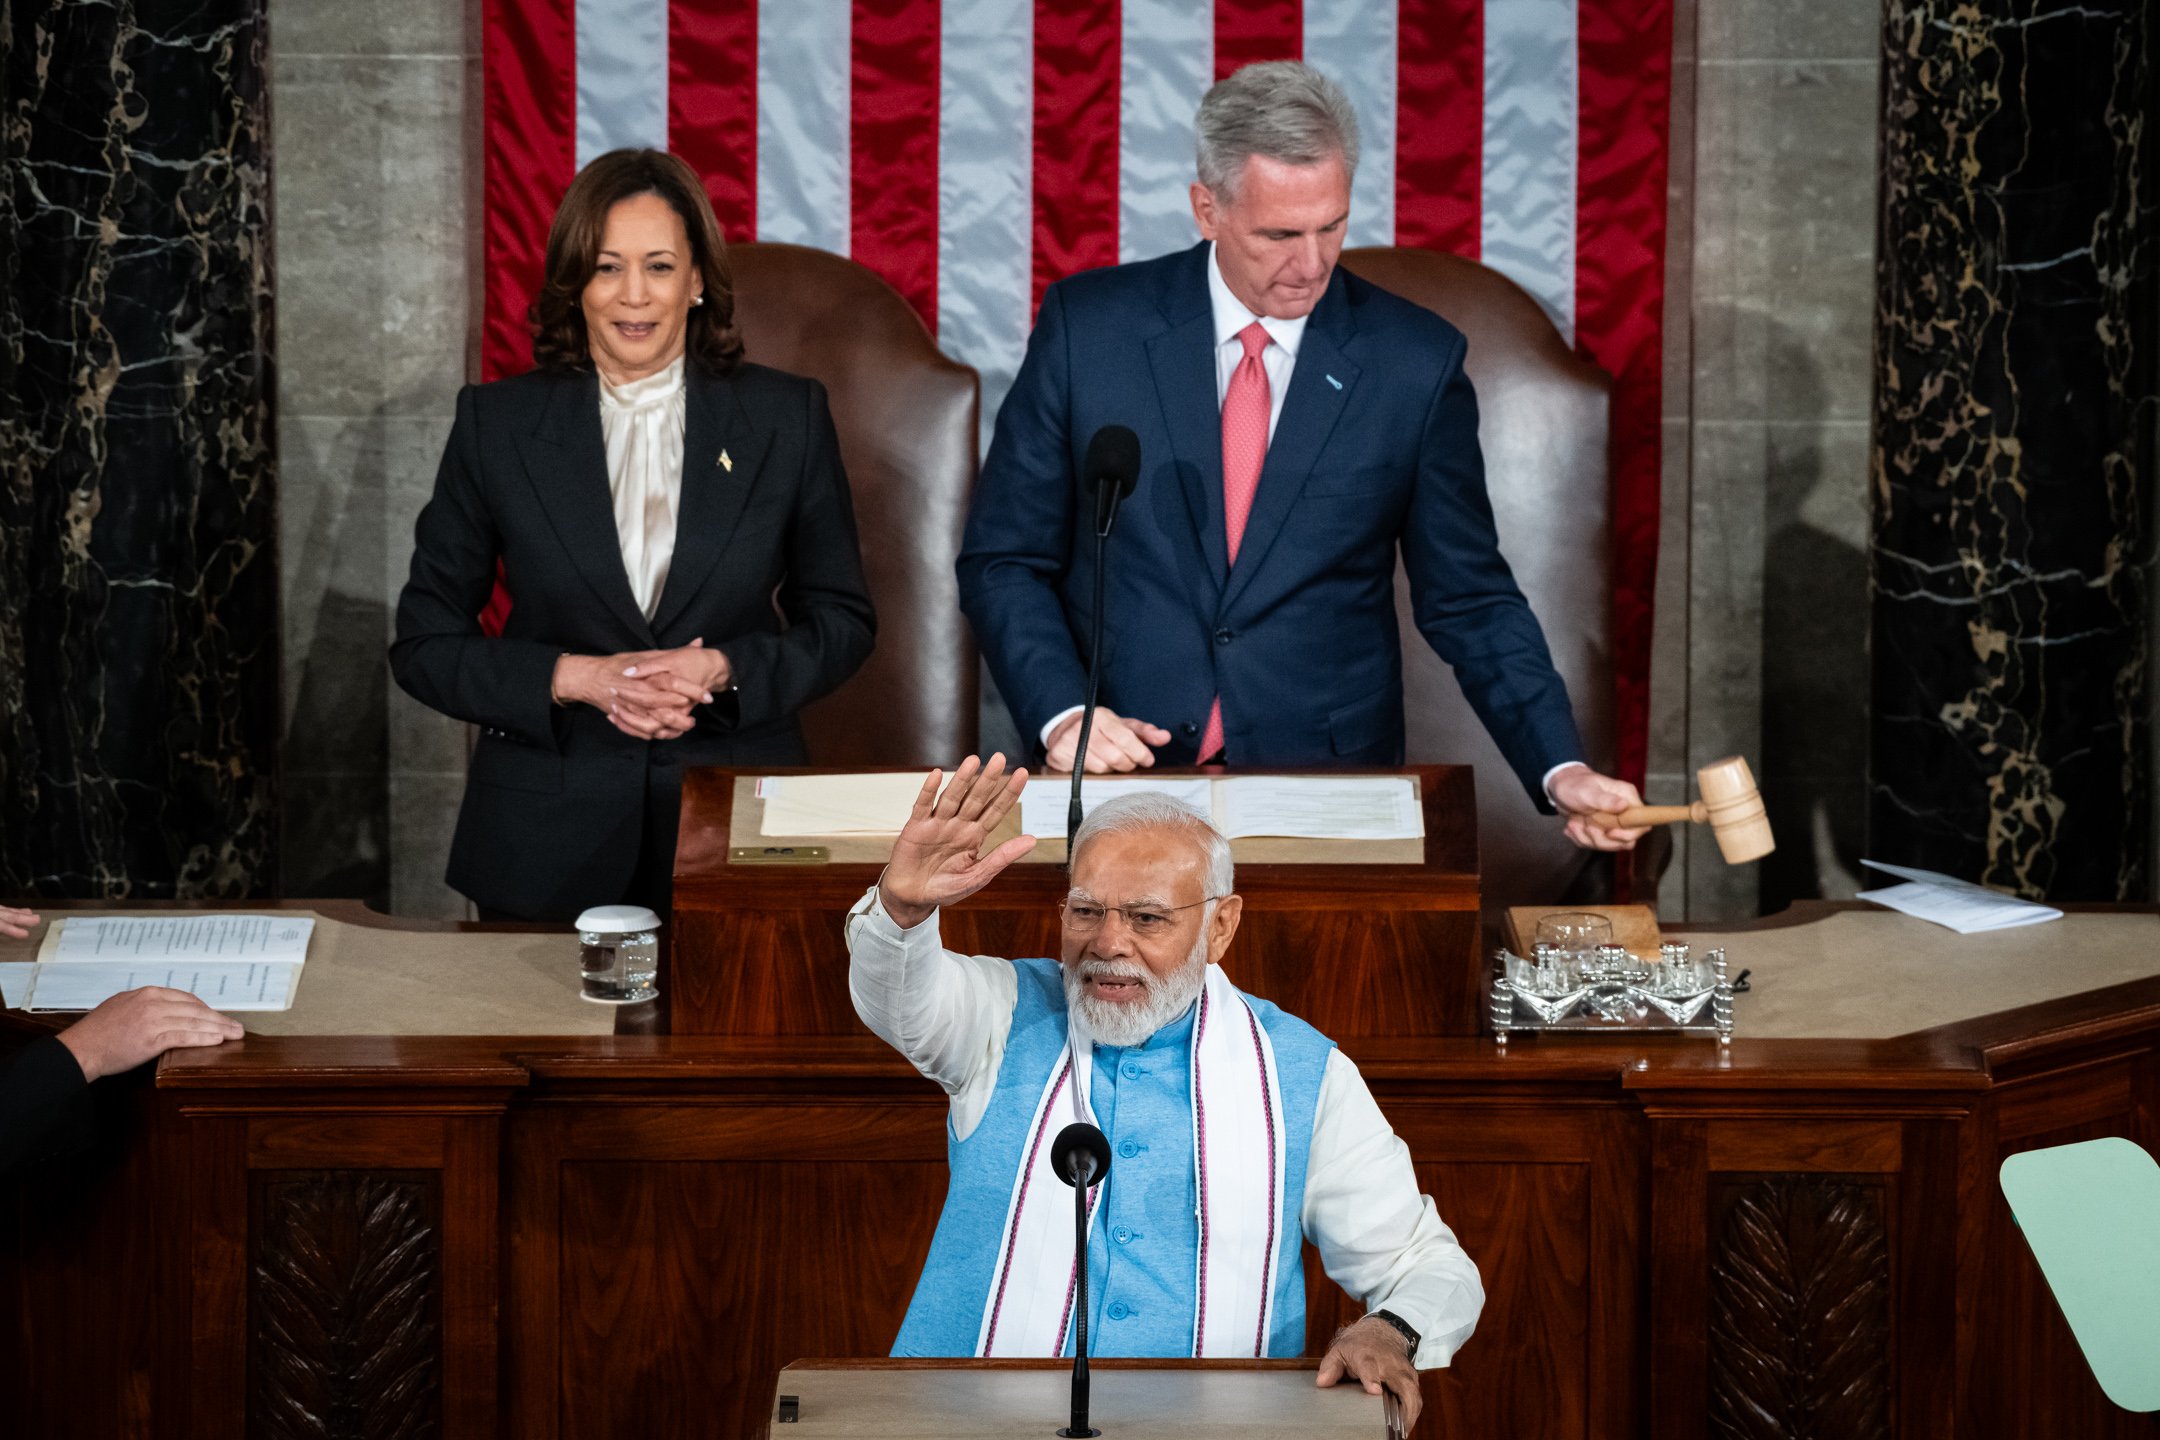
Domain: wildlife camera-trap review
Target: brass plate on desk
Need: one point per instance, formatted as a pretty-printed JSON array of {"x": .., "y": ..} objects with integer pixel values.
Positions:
[{"x": 779, "y": 855}]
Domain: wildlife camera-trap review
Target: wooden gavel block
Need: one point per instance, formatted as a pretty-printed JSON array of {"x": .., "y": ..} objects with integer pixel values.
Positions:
[{"x": 1731, "y": 804}]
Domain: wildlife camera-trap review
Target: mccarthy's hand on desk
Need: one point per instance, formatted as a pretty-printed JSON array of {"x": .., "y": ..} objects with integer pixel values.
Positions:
[
  {"x": 16, "y": 923},
  {"x": 1579, "y": 792},
  {"x": 1375, "y": 1354},
  {"x": 139, "y": 1025},
  {"x": 936, "y": 860},
  {"x": 1117, "y": 742}
]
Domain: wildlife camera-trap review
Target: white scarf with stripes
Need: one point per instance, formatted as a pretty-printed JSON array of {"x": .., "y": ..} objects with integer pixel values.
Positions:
[{"x": 1239, "y": 1154}]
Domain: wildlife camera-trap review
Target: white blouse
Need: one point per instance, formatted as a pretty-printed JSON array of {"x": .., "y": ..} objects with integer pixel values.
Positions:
[{"x": 643, "y": 425}]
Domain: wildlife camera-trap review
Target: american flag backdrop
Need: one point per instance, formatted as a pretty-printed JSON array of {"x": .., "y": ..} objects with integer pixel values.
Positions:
[{"x": 973, "y": 151}]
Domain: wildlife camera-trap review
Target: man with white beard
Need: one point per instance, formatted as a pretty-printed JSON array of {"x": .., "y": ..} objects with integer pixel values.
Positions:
[{"x": 1240, "y": 1131}]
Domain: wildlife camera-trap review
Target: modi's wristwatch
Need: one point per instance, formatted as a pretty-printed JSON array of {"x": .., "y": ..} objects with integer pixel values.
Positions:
[{"x": 1389, "y": 1317}]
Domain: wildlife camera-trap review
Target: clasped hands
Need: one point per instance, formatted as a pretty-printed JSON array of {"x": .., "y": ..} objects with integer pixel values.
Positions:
[{"x": 646, "y": 694}]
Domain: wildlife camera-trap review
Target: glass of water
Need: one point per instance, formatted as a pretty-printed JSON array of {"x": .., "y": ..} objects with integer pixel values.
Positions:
[
  {"x": 619, "y": 954},
  {"x": 1575, "y": 936}
]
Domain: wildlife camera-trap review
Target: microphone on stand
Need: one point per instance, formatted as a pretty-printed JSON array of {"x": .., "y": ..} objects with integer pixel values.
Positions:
[
  {"x": 1081, "y": 1157},
  {"x": 1111, "y": 470}
]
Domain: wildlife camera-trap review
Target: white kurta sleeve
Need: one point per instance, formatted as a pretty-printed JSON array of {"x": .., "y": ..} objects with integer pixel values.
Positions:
[
  {"x": 1378, "y": 1237},
  {"x": 948, "y": 1013}
]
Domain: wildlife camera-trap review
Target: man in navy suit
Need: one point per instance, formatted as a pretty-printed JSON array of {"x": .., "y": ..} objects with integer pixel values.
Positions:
[{"x": 1296, "y": 425}]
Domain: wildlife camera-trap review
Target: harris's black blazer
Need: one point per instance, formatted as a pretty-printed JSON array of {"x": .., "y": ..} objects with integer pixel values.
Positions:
[{"x": 766, "y": 568}]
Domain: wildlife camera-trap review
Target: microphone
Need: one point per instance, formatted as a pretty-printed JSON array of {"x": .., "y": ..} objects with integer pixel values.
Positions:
[
  {"x": 1081, "y": 1157},
  {"x": 1111, "y": 470}
]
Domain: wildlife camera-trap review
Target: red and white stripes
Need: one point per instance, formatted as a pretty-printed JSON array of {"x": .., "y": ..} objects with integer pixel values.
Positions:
[{"x": 972, "y": 151}]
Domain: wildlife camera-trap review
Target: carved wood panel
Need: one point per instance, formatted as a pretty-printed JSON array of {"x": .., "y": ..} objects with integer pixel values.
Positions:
[
  {"x": 345, "y": 1306},
  {"x": 1800, "y": 1335}
]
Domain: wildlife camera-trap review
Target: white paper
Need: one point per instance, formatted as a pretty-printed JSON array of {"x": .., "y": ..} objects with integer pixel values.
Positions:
[
  {"x": 1043, "y": 803},
  {"x": 15, "y": 983},
  {"x": 221, "y": 984},
  {"x": 1955, "y": 904},
  {"x": 839, "y": 804},
  {"x": 103, "y": 939},
  {"x": 1319, "y": 807}
]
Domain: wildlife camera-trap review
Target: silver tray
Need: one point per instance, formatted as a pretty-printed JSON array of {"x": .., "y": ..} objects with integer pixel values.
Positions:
[{"x": 1612, "y": 990}]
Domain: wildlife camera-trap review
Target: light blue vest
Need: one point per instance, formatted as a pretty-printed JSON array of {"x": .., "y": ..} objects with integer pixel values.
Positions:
[{"x": 1143, "y": 1251}]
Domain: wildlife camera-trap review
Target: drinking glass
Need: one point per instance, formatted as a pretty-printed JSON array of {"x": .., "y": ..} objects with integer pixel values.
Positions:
[
  {"x": 1574, "y": 935},
  {"x": 619, "y": 954}
]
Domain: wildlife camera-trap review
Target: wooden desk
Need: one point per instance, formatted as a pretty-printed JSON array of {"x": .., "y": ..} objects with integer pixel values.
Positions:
[
  {"x": 1128, "y": 1399},
  {"x": 1384, "y": 944},
  {"x": 571, "y": 1236}
]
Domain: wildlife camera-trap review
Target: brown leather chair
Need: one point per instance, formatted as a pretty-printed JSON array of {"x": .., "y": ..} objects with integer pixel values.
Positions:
[
  {"x": 1543, "y": 423},
  {"x": 907, "y": 417}
]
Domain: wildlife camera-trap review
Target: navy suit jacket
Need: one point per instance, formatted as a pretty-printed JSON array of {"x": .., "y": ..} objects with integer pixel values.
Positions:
[{"x": 1376, "y": 448}]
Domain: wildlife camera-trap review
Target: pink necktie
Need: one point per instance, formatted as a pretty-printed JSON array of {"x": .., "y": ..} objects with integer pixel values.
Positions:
[{"x": 1244, "y": 450}]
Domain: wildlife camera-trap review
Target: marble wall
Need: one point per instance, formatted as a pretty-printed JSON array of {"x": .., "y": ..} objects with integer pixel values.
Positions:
[
  {"x": 1762, "y": 596},
  {"x": 138, "y": 600},
  {"x": 2014, "y": 450},
  {"x": 378, "y": 293}
]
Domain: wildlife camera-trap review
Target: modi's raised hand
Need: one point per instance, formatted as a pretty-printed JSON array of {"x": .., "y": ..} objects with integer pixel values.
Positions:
[{"x": 937, "y": 859}]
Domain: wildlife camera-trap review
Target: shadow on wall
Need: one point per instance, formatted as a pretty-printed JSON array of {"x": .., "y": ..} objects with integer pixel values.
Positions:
[
  {"x": 1814, "y": 635},
  {"x": 337, "y": 742}
]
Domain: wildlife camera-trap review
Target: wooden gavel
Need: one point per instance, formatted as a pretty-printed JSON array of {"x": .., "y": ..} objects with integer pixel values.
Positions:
[{"x": 1730, "y": 803}]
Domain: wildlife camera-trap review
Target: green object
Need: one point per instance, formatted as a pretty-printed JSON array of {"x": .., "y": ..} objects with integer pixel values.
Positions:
[{"x": 2091, "y": 1213}]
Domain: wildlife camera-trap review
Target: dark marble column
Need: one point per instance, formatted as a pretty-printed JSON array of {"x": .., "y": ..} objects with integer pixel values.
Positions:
[
  {"x": 2012, "y": 467},
  {"x": 138, "y": 593}
]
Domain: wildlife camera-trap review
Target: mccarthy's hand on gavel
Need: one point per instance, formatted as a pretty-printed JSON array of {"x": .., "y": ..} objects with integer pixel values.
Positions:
[
  {"x": 1586, "y": 797},
  {"x": 1731, "y": 806},
  {"x": 648, "y": 694},
  {"x": 937, "y": 860}
]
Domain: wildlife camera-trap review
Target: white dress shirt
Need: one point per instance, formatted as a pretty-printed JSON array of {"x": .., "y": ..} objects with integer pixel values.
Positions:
[
  {"x": 1231, "y": 318},
  {"x": 1378, "y": 1237},
  {"x": 642, "y": 422}
]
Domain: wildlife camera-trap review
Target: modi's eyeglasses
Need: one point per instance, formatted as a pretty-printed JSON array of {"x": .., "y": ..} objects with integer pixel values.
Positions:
[{"x": 1085, "y": 917}]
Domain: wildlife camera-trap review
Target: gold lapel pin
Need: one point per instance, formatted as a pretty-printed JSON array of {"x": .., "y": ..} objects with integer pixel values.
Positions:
[{"x": 726, "y": 464}]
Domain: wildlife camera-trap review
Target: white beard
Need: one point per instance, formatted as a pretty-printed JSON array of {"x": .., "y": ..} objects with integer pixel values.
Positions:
[{"x": 1131, "y": 1022}]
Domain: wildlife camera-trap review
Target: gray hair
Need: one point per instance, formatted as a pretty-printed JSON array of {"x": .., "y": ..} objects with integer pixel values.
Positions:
[
  {"x": 1283, "y": 109},
  {"x": 1147, "y": 811}
]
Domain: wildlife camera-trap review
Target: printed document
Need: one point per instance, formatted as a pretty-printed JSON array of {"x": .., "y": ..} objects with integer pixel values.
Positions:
[
  {"x": 838, "y": 804},
  {"x": 177, "y": 936},
  {"x": 1957, "y": 904},
  {"x": 231, "y": 962},
  {"x": 1320, "y": 807},
  {"x": 220, "y": 984},
  {"x": 1043, "y": 803},
  {"x": 1302, "y": 807}
]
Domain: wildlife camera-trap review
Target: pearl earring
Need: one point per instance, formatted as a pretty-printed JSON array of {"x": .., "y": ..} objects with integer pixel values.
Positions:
[{"x": 697, "y": 299}]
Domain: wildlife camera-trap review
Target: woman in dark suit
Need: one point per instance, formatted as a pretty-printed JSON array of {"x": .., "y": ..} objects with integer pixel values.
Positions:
[{"x": 675, "y": 537}]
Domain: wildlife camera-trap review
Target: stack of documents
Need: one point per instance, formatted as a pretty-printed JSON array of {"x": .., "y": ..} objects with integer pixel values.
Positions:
[
  {"x": 1961, "y": 905},
  {"x": 1308, "y": 807},
  {"x": 838, "y": 804},
  {"x": 233, "y": 962},
  {"x": 1303, "y": 807}
]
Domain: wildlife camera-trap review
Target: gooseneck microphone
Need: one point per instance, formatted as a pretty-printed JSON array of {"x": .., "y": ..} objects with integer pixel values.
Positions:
[
  {"x": 1111, "y": 470},
  {"x": 1081, "y": 1157}
]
